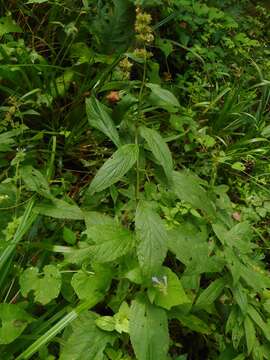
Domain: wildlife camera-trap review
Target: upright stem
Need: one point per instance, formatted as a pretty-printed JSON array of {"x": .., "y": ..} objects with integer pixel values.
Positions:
[{"x": 139, "y": 116}]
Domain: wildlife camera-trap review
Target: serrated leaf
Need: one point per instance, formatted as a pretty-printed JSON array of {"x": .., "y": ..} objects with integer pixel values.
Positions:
[
  {"x": 187, "y": 188},
  {"x": 115, "y": 168},
  {"x": 159, "y": 148},
  {"x": 99, "y": 118},
  {"x": 148, "y": 331},
  {"x": 169, "y": 292},
  {"x": 46, "y": 286},
  {"x": 88, "y": 285},
  {"x": 152, "y": 236},
  {"x": 59, "y": 209},
  {"x": 165, "y": 96},
  {"x": 122, "y": 318},
  {"x": 13, "y": 322},
  {"x": 8, "y": 25},
  {"x": 250, "y": 333},
  {"x": 86, "y": 340},
  {"x": 111, "y": 242},
  {"x": 210, "y": 294},
  {"x": 35, "y": 181}
]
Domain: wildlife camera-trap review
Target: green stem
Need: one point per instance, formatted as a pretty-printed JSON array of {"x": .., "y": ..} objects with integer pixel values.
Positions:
[{"x": 137, "y": 188}]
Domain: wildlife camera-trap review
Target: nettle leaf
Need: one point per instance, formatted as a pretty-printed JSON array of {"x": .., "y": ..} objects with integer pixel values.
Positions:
[
  {"x": 187, "y": 188},
  {"x": 99, "y": 118},
  {"x": 159, "y": 148},
  {"x": 210, "y": 294},
  {"x": 35, "y": 181},
  {"x": 168, "y": 290},
  {"x": 111, "y": 242},
  {"x": 7, "y": 25},
  {"x": 86, "y": 341},
  {"x": 148, "y": 330},
  {"x": 165, "y": 97},
  {"x": 59, "y": 209},
  {"x": 152, "y": 236},
  {"x": 13, "y": 322},
  {"x": 46, "y": 285},
  {"x": 115, "y": 168},
  {"x": 92, "y": 285}
]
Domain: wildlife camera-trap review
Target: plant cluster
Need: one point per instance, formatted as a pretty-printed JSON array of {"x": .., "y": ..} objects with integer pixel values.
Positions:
[{"x": 134, "y": 188}]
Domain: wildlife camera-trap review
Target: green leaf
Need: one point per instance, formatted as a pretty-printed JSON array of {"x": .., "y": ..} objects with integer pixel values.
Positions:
[
  {"x": 106, "y": 323},
  {"x": 250, "y": 334},
  {"x": 35, "y": 181},
  {"x": 159, "y": 148},
  {"x": 8, "y": 25},
  {"x": 92, "y": 285},
  {"x": 13, "y": 322},
  {"x": 148, "y": 331},
  {"x": 187, "y": 188},
  {"x": 165, "y": 96},
  {"x": 115, "y": 168},
  {"x": 111, "y": 242},
  {"x": 193, "y": 323},
  {"x": 210, "y": 294},
  {"x": 69, "y": 236},
  {"x": 36, "y": 1},
  {"x": 46, "y": 286},
  {"x": 99, "y": 118},
  {"x": 86, "y": 340},
  {"x": 168, "y": 291},
  {"x": 122, "y": 318},
  {"x": 152, "y": 235},
  {"x": 60, "y": 85},
  {"x": 256, "y": 317},
  {"x": 59, "y": 209}
]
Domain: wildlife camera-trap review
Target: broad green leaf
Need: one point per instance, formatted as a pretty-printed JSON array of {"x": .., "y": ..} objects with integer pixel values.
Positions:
[
  {"x": 86, "y": 341},
  {"x": 69, "y": 236},
  {"x": 92, "y": 285},
  {"x": 159, "y": 148},
  {"x": 111, "y": 242},
  {"x": 7, "y": 25},
  {"x": 210, "y": 294},
  {"x": 35, "y": 181},
  {"x": 13, "y": 322},
  {"x": 165, "y": 96},
  {"x": 187, "y": 188},
  {"x": 59, "y": 209},
  {"x": 152, "y": 236},
  {"x": 254, "y": 277},
  {"x": 99, "y": 118},
  {"x": 168, "y": 290},
  {"x": 250, "y": 333},
  {"x": 193, "y": 323},
  {"x": 148, "y": 331},
  {"x": 46, "y": 286},
  {"x": 115, "y": 168}
]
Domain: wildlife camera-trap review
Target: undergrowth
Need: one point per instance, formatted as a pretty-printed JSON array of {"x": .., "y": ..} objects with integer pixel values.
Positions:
[{"x": 134, "y": 184}]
